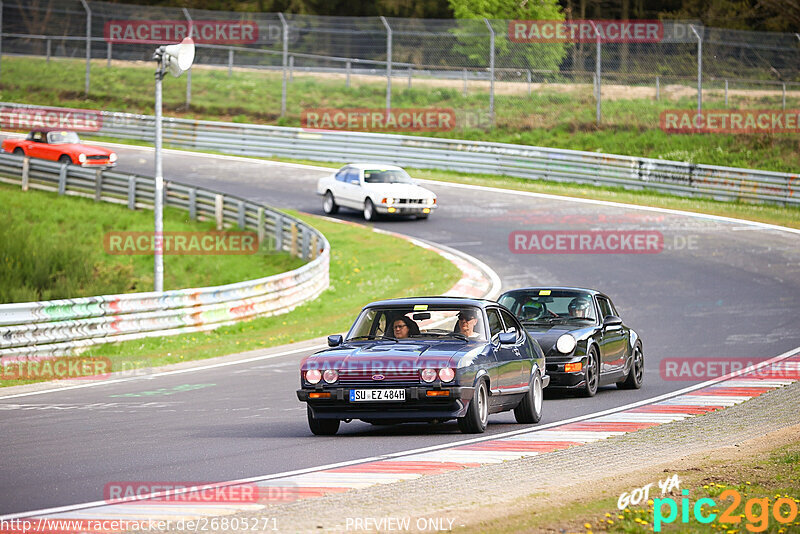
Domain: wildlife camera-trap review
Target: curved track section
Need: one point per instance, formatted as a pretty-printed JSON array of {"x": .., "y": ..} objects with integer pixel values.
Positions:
[{"x": 719, "y": 289}]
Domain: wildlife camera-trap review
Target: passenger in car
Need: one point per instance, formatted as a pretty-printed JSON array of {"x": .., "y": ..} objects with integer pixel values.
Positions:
[{"x": 403, "y": 327}]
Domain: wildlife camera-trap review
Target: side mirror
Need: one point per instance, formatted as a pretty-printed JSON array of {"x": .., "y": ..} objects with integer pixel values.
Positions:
[
  {"x": 508, "y": 338},
  {"x": 612, "y": 320},
  {"x": 334, "y": 340}
]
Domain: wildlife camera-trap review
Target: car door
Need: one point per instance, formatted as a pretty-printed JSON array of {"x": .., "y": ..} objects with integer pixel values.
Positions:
[
  {"x": 351, "y": 189},
  {"x": 522, "y": 366},
  {"x": 337, "y": 185},
  {"x": 507, "y": 360},
  {"x": 38, "y": 147},
  {"x": 613, "y": 339}
]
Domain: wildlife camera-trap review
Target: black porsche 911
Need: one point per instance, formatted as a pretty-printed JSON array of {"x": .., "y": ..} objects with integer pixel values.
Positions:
[
  {"x": 425, "y": 359},
  {"x": 586, "y": 345}
]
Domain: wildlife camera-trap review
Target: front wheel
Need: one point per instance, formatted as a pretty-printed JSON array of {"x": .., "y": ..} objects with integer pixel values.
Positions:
[
  {"x": 477, "y": 416},
  {"x": 19, "y": 152},
  {"x": 329, "y": 205},
  {"x": 369, "y": 210},
  {"x": 592, "y": 374},
  {"x": 635, "y": 375},
  {"x": 529, "y": 410},
  {"x": 64, "y": 159},
  {"x": 321, "y": 427}
]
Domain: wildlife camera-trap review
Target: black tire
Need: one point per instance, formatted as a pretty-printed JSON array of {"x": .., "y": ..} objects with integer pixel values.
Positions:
[
  {"x": 18, "y": 152},
  {"x": 477, "y": 416},
  {"x": 529, "y": 410},
  {"x": 369, "y": 211},
  {"x": 592, "y": 374},
  {"x": 65, "y": 159},
  {"x": 329, "y": 205},
  {"x": 322, "y": 427},
  {"x": 636, "y": 372}
]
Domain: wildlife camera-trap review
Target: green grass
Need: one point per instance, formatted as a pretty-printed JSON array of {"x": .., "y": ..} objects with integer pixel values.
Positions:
[
  {"x": 551, "y": 117},
  {"x": 51, "y": 247}
]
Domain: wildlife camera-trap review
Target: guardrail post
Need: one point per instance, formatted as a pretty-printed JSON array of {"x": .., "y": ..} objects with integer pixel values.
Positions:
[
  {"x": 98, "y": 184},
  {"x": 241, "y": 214},
  {"x": 62, "y": 180},
  {"x": 131, "y": 192},
  {"x": 278, "y": 232},
  {"x": 347, "y": 75},
  {"x": 230, "y": 62},
  {"x": 293, "y": 243},
  {"x": 26, "y": 162},
  {"x": 304, "y": 246},
  {"x": 193, "y": 204},
  {"x": 218, "y": 213},
  {"x": 262, "y": 231}
]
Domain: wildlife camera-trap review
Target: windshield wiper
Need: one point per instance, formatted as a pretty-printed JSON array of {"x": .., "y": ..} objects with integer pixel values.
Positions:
[
  {"x": 373, "y": 337},
  {"x": 457, "y": 335}
]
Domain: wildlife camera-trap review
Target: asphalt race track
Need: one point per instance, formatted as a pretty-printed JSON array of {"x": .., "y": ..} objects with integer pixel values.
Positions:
[{"x": 719, "y": 289}]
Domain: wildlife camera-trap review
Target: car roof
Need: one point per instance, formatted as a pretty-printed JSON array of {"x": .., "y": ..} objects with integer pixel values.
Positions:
[
  {"x": 363, "y": 166},
  {"x": 432, "y": 301},
  {"x": 557, "y": 288}
]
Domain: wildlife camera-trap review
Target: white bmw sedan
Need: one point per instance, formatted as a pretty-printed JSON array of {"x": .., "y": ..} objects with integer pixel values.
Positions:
[{"x": 375, "y": 189}]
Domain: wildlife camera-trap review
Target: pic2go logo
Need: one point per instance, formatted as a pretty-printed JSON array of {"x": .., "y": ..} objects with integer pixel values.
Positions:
[{"x": 757, "y": 511}]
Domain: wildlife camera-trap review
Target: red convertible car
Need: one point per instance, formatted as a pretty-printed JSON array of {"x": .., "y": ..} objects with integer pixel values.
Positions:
[{"x": 64, "y": 147}]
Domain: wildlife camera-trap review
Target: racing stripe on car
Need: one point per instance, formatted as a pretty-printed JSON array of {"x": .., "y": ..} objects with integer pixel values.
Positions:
[{"x": 727, "y": 392}]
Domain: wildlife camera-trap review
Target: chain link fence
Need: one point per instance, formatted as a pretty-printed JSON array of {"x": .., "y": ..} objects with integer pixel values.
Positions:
[{"x": 476, "y": 67}]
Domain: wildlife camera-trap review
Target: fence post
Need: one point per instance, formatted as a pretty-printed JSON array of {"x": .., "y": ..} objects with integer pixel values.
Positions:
[
  {"x": 291, "y": 68},
  {"x": 98, "y": 184},
  {"x": 347, "y": 78},
  {"x": 189, "y": 70},
  {"x": 699, "y": 69},
  {"x": 304, "y": 252},
  {"x": 410, "y": 72},
  {"x": 388, "y": 64},
  {"x": 108, "y": 54},
  {"x": 62, "y": 180},
  {"x": 260, "y": 226},
  {"x": 293, "y": 244},
  {"x": 784, "y": 95},
  {"x": 241, "y": 214},
  {"x": 285, "y": 61},
  {"x": 193, "y": 204},
  {"x": 278, "y": 232},
  {"x": 88, "y": 44},
  {"x": 658, "y": 88},
  {"x": 230, "y": 62},
  {"x": 491, "y": 70},
  {"x": 726, "y": 93},
  {"x": 26, "y": 164},
  {"x": 49, "y": 42},
  {"x": 1, "y": 36},
  {"x": 218, "y": 213},
  {"x": 131, "y": 191},
  {"x": 464, "y": 92},
  {"x": 529, "y": 82}
]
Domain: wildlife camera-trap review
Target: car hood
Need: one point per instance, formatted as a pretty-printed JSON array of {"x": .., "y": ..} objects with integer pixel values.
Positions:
[
  {"x": 547, "y": 335},
  {"x": 89, "y": 150},
  {"x": 401, "y": 190},
  {"x": 402, "y": 355}
]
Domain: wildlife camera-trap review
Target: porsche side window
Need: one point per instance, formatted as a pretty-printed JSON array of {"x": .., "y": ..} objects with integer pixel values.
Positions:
[
  {"x": 341, "y": 176},
  {"x": 352, "y": 176},
  {"x": 495, "y": 324},
  {"x": 605, "y": 309},
  {"x": 510, "y": 323}
]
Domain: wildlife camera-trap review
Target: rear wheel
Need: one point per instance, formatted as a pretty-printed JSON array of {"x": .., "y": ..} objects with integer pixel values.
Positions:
[
  {"x": 477, "y": 416},
  {"x": 321, "y": 427},
  {"x": 592, "y": 373},
  {"x": 369, "y": 210},
  {"x": 19, "y": 152},
  {"x": 64, "y": 159},
  {"x": 329, "y": 205},
  {"x": 529, "y": 409},
  {"x": 635, "y": 375}
]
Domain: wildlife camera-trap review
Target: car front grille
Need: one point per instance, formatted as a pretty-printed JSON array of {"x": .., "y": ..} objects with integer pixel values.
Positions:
[
  {"x": 360, "y": 377},
  {"x": 96, "y": 158}
]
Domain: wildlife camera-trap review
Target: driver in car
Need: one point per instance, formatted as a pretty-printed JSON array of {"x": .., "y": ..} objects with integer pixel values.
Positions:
[
  {"x": 579, "y": 307},
  {"x": 467, "y": 319}
]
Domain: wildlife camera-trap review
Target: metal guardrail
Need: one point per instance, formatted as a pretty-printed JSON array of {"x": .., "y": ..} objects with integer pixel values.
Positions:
[
  {"x": 52, "y": 328},
  {"x": 675, "y": 177}
]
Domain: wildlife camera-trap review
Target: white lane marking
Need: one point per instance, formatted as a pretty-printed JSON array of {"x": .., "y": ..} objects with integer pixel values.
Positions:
[
  {"x": 165, "y": 373},
  {"x": 525, "y": 431}
]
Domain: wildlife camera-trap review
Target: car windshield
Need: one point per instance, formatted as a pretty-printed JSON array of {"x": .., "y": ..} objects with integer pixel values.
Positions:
[
  {"x": 420, "y": 321},
  {"x": 60, "y": 138},
  {"x": 387, "y": 177},
  {"x": 550, "y": 306}
]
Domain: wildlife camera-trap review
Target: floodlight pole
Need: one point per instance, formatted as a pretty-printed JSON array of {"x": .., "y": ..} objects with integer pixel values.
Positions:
[{"x": 158, "y": 199}]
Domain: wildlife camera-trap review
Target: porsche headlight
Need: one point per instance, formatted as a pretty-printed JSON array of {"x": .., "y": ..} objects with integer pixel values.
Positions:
[
  {"x": 566, "y": 344},
  {"x": 113, "y": 157},
  {"x": 82, "y": 158}
]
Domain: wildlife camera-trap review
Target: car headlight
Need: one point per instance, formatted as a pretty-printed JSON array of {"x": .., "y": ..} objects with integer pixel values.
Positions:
[
  {"x": 566, "y": 344},
  {"x": 313, "y": 376},
  {"x": 431, "y": 201},
  {"x": 428, "y": 375},
  {"x": 82, "y": 158},
  {"x": 388, "y": 200},
  {"x": 113, "y": 157},
  {"x": 330, "y": 376},
  {"x": 446, "y": 374}
]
